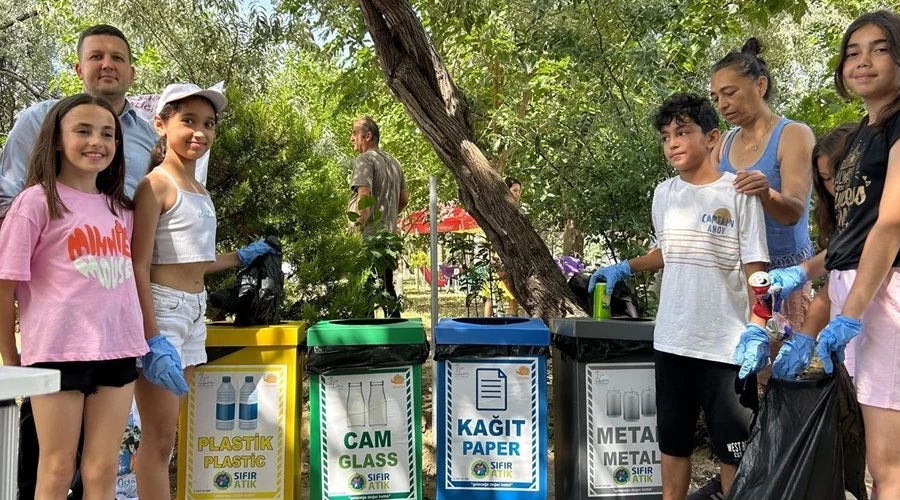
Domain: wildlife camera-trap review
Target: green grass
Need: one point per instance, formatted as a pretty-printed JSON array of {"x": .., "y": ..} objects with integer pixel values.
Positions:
[{"x": 418, "y": 303}]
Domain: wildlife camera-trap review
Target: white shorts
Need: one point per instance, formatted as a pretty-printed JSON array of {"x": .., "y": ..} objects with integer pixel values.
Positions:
[
  {"x": 181, "y": 317},
  {"x": 874, "y": 354}
]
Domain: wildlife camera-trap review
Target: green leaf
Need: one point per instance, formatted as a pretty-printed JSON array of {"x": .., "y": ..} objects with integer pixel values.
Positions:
[{"x": 365, "y": 202}]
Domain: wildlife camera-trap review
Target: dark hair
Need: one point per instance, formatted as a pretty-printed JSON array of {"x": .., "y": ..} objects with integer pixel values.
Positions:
[
  {"x": 829, "y": 146},
  {"x": 158, "y": 153},
  {"x": 748, "y": 64},
  {"x": 45, "y": 162},
  {"x": 368, "y": 125},
  {"x": 512, "y": 181},
  {"x": 889, "y": 22},
  {"x": 685, "y": 106},
  {"x": 102, "y": 29}
]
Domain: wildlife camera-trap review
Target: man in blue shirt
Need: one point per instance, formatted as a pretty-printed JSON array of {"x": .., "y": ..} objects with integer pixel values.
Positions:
[{"x": 104, "y": 67}]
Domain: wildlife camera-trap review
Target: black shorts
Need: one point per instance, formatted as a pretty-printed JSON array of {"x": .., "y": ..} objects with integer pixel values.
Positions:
[
  {"x": 88, "y": 376},
  {"x": 685, "y": 385}
]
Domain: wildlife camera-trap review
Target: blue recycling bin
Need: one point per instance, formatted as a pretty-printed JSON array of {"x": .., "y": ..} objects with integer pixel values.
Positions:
[{"x": 491, "y": 408}]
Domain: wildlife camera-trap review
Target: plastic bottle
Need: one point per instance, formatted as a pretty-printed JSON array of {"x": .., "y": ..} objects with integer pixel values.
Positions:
[
  {"x": 225, "y": 405},
  {"x": 248, "y": 415}
]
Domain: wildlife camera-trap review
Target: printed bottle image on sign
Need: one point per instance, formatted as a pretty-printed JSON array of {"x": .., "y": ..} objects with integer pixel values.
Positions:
[
  {"x": 368, "y": 434},
  {"x": 623, "y": 453}
]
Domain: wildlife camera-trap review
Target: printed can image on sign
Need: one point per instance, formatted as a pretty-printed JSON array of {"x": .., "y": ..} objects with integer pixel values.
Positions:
[
  {"x": 623, "y": 456},
  {"x": 236, "y": 438},
  {"x": 493, "y": 421},
  {"x": 368, "y": 434}
]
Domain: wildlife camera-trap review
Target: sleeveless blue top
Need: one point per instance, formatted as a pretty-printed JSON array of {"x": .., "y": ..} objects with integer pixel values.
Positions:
[{"x": 788, "y": 245}]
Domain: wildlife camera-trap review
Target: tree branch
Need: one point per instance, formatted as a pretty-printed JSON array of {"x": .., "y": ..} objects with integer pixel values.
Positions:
[
  {"x": 419, "y": 79},
  {"x": 21, "y": 18},
  {"x": 25, "y": 83}
]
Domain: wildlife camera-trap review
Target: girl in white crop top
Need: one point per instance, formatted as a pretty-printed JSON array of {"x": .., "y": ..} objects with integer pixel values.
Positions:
[{"x": 174, "y": 246}]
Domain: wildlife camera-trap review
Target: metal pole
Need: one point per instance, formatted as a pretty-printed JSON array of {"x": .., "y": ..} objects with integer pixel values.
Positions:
[{"x": 432, "y": 191}]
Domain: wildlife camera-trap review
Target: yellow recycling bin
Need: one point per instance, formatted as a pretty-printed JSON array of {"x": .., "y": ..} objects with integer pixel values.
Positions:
[{"x": 239, "y": 431}]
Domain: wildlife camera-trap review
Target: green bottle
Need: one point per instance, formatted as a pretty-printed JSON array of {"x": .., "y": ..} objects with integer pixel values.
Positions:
[{"x": 601, "y": 302}]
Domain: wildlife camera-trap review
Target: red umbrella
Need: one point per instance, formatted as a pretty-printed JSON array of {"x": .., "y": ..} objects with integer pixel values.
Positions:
[{"x": 451, "y": 219}]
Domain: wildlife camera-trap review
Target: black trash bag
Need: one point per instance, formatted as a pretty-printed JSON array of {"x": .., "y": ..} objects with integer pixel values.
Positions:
[
  {"x": 322, "y": 359},
  {"x": 853, "y": 437},
  {"x": 801, "y": 441},
  {"x": 456, "y": 351},
  {"x": 621, "y": 304},
  {"x": 597, "y": 350},
  {"x": 255, "y": 298}
]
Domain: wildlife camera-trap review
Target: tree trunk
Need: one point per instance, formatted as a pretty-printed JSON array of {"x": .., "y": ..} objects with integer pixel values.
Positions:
[{"x": 417, "y": 76}]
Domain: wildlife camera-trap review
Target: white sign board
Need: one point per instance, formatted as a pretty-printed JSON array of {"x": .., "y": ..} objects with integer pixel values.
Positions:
[
  {"x": 493, "y": 424},
  {"x": 623, "y": 456},
  {"x": 368, "y": 434},
  {"x": 236, "y": 439}
]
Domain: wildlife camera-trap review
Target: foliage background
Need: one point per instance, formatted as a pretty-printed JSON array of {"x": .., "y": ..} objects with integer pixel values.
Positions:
[{"x": 562, "y": 92}]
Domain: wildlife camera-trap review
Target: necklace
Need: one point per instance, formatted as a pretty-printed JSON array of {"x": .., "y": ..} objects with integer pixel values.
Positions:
[{"x": 755, "y": 147}]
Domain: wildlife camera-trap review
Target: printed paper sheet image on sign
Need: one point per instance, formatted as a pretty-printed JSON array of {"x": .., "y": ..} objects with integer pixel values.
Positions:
[
  {"x": 236, "y": 437},
  {"x": 368, "y": 435},
  {"x": 623, "y": 453},
  {"x": 493, "y": 421}
]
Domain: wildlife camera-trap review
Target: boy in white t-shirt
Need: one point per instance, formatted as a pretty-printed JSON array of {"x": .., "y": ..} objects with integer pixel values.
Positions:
[{"x": 710, "y": 238}]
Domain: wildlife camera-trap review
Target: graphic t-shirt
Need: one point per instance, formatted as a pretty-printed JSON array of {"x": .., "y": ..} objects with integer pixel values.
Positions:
[
  {"x": 382, "y": 173},
  {"x": 858, "y": 185},
  {"x": 77, "y": 296},
  {"x": 706, "y": 234}
]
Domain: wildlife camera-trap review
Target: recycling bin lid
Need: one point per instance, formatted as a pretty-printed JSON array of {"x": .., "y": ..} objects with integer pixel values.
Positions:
[
  {"x": 367, "y": 331},
  {"x": 612, "y": 329},
  {"x": 225, "y": 334},
  {"x": 492, "y": 331}
]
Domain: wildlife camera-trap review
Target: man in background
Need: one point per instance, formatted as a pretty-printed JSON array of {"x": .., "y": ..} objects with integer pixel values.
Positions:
[{"x": 379, "y": 175}]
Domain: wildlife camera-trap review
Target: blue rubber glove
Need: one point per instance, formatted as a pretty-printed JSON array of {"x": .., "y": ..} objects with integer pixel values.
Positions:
[
  {"x": 787, "y": 280},
  {"x": 794, "y": 356},
  {"x": 752, "y": 351},
  {"x": 254, "y": 250},
  {"x": 835, "y": 337},
  {"x": 611, "y": 275},
  {"x": 162, "y": 366}
]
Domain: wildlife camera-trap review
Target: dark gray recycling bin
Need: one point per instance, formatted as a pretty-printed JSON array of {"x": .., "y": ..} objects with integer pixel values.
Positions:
[{"x": 604, "y": 410}]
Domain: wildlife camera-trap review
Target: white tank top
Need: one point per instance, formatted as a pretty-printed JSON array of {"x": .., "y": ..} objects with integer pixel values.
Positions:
[{"x": 187, "y": 231}]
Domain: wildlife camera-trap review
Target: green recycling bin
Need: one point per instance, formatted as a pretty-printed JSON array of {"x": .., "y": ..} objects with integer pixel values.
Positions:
[{"x": 365, "y": 397}]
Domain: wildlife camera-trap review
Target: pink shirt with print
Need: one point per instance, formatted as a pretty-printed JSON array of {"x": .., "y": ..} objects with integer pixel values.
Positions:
[{"x": 77, "y": 296}]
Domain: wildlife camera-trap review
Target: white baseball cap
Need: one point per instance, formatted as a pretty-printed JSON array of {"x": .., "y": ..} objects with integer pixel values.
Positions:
[{"x": 178, "y": 91}]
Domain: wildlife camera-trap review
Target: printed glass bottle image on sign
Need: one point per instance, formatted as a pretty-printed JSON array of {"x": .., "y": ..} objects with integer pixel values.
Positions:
[
  {"x": 368, "y": 435},
  {"x": 493, "y": 422},
  {"x": 236, "y": 432},
  {"x": 622, "y": 451}
]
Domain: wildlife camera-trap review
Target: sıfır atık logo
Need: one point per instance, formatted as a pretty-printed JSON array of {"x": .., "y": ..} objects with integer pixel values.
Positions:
[
  {"x": 621, "y": 476},
  {"x": 479, "y": 469},
  {"x": 357, "y": 482},
  {"x": 222, "y": 480}
]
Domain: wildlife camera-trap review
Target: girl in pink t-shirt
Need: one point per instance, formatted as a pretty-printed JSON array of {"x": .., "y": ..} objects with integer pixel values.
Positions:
[{"x": 65, "y": 253}]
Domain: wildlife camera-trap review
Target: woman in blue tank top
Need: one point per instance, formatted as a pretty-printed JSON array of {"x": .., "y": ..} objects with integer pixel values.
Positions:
[{"x": 771, "y": 157}]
